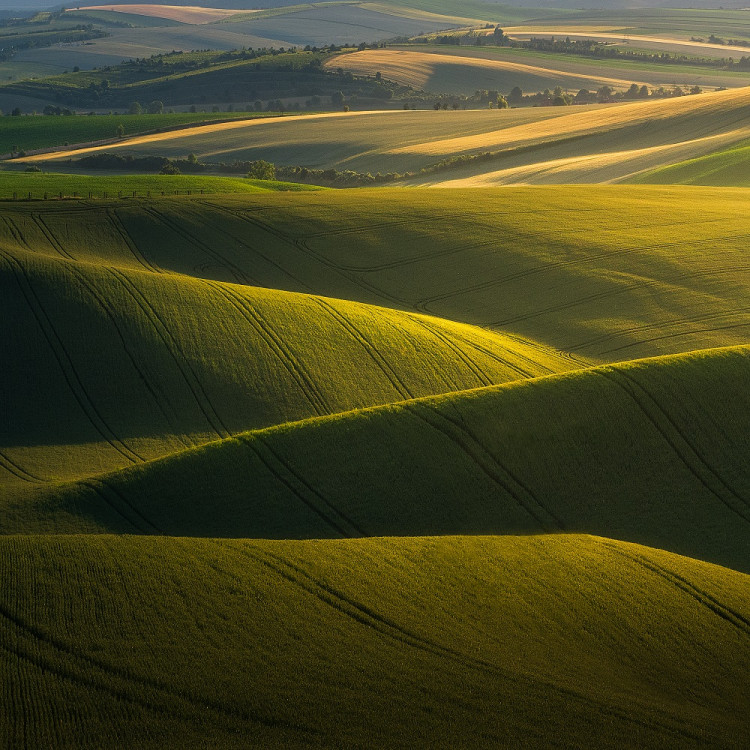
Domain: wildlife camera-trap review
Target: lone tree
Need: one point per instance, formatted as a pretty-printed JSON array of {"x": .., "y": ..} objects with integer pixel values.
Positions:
[
  {"x": 261, "y": 170},
  {"x": 135, "y": 108},
  {"x": 156, "y": 107}
]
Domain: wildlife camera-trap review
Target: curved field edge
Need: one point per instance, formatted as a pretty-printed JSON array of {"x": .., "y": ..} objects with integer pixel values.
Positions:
[
  {"x": 394, "y": 642},
  {"x": 729, "y": 167},
  {"x": 653, "y": 451}
]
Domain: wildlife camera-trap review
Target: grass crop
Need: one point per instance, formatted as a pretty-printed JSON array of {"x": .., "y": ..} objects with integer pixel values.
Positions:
[
  {"x": 544, "y": 455},
  {"x": 574, "y": 640}
]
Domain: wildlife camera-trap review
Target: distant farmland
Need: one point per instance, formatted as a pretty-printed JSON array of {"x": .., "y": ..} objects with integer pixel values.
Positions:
[{"x": 596, "y": 143}]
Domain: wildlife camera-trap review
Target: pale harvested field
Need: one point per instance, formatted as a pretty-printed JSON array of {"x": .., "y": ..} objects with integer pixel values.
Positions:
[
  {"x": 672, "y": 44},
  {"x": 417, "y": 69},
  {"x": 716, "y": 107},
  {"x": 600, "y": 168},
  {"x": 184, "y": 14}
]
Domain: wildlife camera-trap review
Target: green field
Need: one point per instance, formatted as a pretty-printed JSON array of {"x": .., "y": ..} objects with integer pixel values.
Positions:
[
  {"x": 48, "y": 131},
  {"x": 387, "y": 467},
  {"x": 439, "y": 642},
  {"x": 53, "y": 185}
]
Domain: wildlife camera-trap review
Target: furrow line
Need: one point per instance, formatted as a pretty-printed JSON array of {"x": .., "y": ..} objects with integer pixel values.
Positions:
[
  {"x": 263, "y": 256},
  {"x": 119, "y": 227},
  {"x": 645, "y": 284},
  {"x": 124, "y": 500},
  {"x": 375, "y": 355},
  {"x": 97, "y": 490},
  {"x": 457, "y": 350},
  {"x": 12, "y": 467},
  {"x": 710, "y": 602},
  {"x": 240, "y": 276},
  {"x": 656, "y": 326},
  {"x": 276, "y": 344},
  {"x": 68, "y": 672},
  {"x": 358, "y": 531},
  {"x": 106, "y": 307},
  {"x": 674, "y": 439},
  {"x": 53, "y": 241},
  {"x": 173, "y": 348},
  {"x": 390, "y": 629},
  {"x": 253, "y": 446},
  {"x": 423, "y": 304},
  {"x": 487, "y": 463},
  {"x": 66, "y": 363},
  {"x": 679, "y": 334}
]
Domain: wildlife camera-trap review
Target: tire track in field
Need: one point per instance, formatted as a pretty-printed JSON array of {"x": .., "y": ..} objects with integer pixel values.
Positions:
[
  {"x": 562, "y": 245},
  {"x": 99, "y": 491},
  {"x": 240, "y": 276},
  {"x": 55, "y": 244},
  {"x": 680, "y": 334},
  {"x": 14, "y": 468},
  {"x": 381, "y": 362},
  {"x": 109, "y": 312},
  {"x": 690, "y": 319},
  {"x": 16, "y": 233},
  {"x": 276, "y": 344},
  {"x": 707, "y": 600},
  {"x": 678, "y": 442},
  {"x": 477, "y": 371},
  {"x": 302, "y": 489},
  {"x": 388, "y": 628},
  {"x": 644, "y": 284},
  {"x": 65, "y": 362},
  {"x": 425, "y": 303},
  {"x": 119, "y": 227},
  {"x": 301, "y": 246},
  {"x": 242, "y": 243},
  {"x": 488, "y": 464},
  {"x": 176, "y": 353},
  {"x": 144, "y": 523},
  {"x": 517, "y": 355},
  {"x": 84, "y": 663}
]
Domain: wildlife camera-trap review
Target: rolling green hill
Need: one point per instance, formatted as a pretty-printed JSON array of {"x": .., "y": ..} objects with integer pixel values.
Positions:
[
  {"x": 210, "y": 401},
  {"x": 439, "y": 642},
  {"x": 546, "y": 455}
]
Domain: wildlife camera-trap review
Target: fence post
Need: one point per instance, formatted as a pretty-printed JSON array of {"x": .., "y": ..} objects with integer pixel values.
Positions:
[
  {"x": 29, "y": 196},
  {"x": 15, "y": 195}
]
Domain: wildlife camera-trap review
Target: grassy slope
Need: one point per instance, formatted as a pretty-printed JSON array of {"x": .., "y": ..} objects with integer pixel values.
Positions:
[
  {"x": 730, "y": 167},
  {"x": 171, "y": 360},
  {"x": 439, "y": 642},
  {"x": 545, "y": 455},
  {"x": 608, "y": 274}
]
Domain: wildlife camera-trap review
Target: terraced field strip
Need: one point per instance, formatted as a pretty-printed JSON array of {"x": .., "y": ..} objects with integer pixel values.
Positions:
[
  {"x": 674, "y": 44},
  {"x": 586, "y": 122},
  {"x": 416, "y": 68},
  {"x": 209, "y": 130},
  {"x": 190, "y": 14},
  {"x": 598, "y": 167}
]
